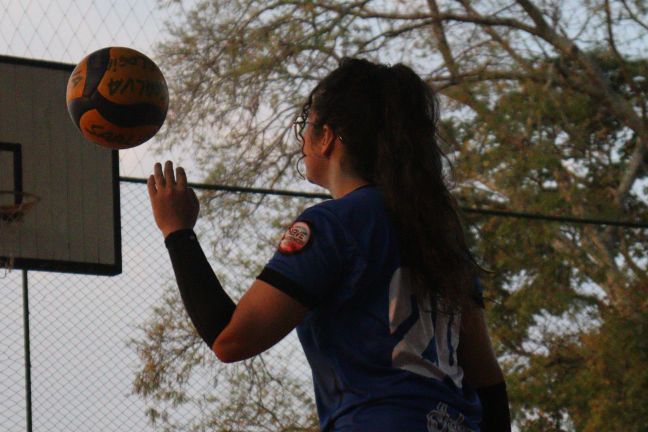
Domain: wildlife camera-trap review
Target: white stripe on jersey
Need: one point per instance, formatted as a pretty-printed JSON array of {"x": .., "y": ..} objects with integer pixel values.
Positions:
[{"x": 407, "y": 354}]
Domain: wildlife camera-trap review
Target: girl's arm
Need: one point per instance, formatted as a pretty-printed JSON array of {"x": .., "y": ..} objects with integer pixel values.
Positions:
[{"x": 482, "y": 371}]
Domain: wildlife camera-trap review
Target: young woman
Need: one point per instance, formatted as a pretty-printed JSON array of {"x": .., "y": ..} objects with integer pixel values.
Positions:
[{"x": 378, "y": 281}]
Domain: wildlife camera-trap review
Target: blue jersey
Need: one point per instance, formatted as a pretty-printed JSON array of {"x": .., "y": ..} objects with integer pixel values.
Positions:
[{"x": 380, "y": 360}]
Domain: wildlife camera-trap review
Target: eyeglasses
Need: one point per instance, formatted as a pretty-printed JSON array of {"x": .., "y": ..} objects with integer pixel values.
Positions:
[{"x": 298, "y": 127}]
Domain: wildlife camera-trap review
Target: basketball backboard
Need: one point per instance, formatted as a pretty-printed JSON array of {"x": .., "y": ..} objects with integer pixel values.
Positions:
[{"x": 75, "y": 228}]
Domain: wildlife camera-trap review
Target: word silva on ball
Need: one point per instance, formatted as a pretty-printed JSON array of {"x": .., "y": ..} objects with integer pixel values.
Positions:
[{"x": 117, "y": 97}]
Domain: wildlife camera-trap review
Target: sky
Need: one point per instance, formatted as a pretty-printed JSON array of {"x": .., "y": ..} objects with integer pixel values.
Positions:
[{"x": 67, "y": 30}]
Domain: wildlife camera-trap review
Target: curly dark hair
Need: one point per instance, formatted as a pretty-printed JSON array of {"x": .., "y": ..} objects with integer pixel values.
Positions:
[{"x": 387, "y": 119}]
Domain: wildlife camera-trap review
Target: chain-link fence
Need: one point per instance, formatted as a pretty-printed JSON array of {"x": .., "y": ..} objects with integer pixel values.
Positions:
[
  {"x": 100, "y": 361},
  {"x": 118, "y": 353},
  {"x": 82, "y": 330},
  {"x": 66, "y": 31}
]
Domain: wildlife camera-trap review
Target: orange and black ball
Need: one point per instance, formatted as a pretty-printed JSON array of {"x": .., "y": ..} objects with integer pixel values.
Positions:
[{"x": 117, "y": 97}]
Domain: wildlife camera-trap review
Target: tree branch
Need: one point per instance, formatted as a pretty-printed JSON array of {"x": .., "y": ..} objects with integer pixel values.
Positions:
[
  {"x": 599, "y": 85},
  {"x": 482, "y": 76},
  {"x": 622, "y": 63},
  {"x": 394, "y": 33},
  {"x": 367, "y": 13},
  {"x": 497, "y": 38},
  {"x": 622, "y": 109},
  {"x": 632, "y": 15},
  {"x": 442, "y": 42},
  {"x": 631, "y": 172},
  {"x": 638, "y": 271}
]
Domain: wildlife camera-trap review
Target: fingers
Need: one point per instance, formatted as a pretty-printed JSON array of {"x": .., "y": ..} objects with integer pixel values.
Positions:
[
  {"x": 167, "y": 177},
  {"x": 157, "y": 174},
  {"x": 150, "y": 184},
  {"x": 182, "y": 177},
  {"x": 168, "y": 173}
]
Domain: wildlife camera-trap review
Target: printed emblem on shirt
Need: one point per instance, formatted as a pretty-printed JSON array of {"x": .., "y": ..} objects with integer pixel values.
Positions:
[
  {"x": 439, "y": 420},
  {"x": 295, "y": 238}
]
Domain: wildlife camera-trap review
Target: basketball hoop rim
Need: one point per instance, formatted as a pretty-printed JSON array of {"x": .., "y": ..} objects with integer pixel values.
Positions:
[{"x": 11, "y": 213}]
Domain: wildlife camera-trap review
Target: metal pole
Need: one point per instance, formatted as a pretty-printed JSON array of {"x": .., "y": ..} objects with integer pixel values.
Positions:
[
  {"x": 27, "y": 351},
  {"x": 492, "y": 212}
]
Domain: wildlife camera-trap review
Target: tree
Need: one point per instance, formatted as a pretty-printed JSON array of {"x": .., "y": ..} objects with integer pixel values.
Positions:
[
  {"x": 177, "y": 371},
  {"x": 543, "y": 110}
]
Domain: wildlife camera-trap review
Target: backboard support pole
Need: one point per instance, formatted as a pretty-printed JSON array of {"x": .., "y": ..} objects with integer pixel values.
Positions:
[{"x": 28, "y": 392}]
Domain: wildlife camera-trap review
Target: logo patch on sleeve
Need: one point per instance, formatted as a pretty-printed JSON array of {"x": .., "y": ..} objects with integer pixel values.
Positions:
[{"x": 295, "y": 238}]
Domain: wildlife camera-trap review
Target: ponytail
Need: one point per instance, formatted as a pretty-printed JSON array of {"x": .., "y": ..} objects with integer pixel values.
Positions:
[{"x": 387, "y": 118}]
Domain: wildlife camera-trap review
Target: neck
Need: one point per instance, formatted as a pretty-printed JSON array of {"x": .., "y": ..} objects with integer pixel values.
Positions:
[
  {"x": 338, "y": 181},
  {"x": 343, "y": 185}
]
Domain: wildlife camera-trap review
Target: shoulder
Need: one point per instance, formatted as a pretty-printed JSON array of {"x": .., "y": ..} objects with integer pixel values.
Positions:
[
  {"x": 321, "y": 219},
  {"x": 364, "y": 199},
  {"x": 317, "y": 224},
  {"x": 341, "y": 219},
  {"x": 324, "y": 209}
]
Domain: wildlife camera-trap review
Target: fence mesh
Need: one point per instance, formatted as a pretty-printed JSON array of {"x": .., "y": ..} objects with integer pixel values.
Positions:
[
  {"x": 82, "y": 327},
  {"x": 66, "y": 31},
  {"x": 83, "y": 357},
  {"x": 85, "y": 330}
]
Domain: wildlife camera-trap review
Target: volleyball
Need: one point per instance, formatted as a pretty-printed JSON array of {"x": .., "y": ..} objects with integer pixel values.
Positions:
[{"x": 117, "y": 97}]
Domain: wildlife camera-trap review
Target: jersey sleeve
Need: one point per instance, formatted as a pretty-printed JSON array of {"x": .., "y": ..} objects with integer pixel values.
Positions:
[{"x": 311, "y": 258}]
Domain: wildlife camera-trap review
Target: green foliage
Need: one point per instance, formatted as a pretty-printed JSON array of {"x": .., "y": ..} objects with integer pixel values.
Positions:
[
  {"x": 614, "y": 381},
  {"x": 540, "y": 121}
]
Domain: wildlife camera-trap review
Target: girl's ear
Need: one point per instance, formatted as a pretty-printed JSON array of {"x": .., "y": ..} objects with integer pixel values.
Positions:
[{"x": 328, "y": 141}]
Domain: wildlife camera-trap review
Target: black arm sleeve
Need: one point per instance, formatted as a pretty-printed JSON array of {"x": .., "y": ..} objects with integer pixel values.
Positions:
[
  {"x": 496, "y": 416},
  {"x": 208, "y": 306}
]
